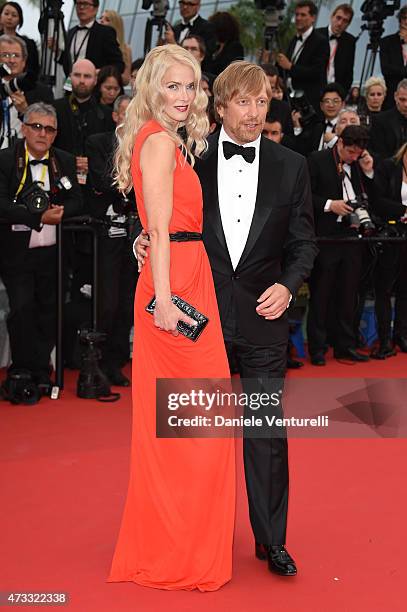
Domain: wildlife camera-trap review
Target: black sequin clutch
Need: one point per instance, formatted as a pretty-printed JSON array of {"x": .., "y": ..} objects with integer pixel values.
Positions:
[{"x": 189, "y": 331}]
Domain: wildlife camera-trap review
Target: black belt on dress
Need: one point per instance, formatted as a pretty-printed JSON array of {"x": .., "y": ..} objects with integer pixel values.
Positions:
[{"x": 185, "y": 236}]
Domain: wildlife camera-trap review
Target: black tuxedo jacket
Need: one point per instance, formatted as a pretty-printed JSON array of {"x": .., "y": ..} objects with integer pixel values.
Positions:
[
  {"x": 309, "y": 71},
  {"x": 280, "y": 109},
  {"x": 103, "y": 48},
  {"x": 200, "y": 27},
  {"x": 281, "y": 243},
  {"x": 15, "y": 244},
  {"x": 73, "y": 130},
  {"x": 387, "y": 194},
  {"x": 392, "y": 64},
  {"x": 344, "y": 58},
  {"x": 326, "y": 184},
  {"x": 388, "y": 132}
]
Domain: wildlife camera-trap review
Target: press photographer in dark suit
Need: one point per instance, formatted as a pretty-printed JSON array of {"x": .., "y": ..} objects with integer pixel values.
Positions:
[
  {"x": 338, "y": 177},
  {"x": 117, "y": 265},
  {"x": 342, "y": 47},
  {"x": 28, "y": 251},
  {"x": 390, "y": 273},
  {"x": 192, "y": 24},
  {"x": 91, "y": 40},
  {"x": 393, "y": 57},
  {"x": 304, "y": 64},
  {"x": 17, "y": 88}
]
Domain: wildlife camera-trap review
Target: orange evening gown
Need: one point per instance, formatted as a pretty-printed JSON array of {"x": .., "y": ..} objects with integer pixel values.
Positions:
[{"x": 177, "y": 528}]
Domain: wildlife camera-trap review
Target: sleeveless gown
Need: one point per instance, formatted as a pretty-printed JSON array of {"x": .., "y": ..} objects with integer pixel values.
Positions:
[{"x": 177, "y": 527}]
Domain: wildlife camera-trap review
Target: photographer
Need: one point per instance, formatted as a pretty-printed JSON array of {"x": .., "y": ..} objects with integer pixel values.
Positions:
[
  {"x": 304, "y": 64},
  {"x": 320, "y": 135},
  {"x": 390, "y": 273},
  {"x": 37, "y": 188},
  {"x": 80, "y": 116},
  {"x": 192, "y": 24},
  {"x": 393, "y": 57},
  {"x": 340, "y": 178},
  {"x": 17, "y": 89},
  {"x": 117, "y": 265}
]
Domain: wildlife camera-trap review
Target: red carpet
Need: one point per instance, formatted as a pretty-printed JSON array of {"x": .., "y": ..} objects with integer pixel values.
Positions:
[{"x": 63, "y": 483}]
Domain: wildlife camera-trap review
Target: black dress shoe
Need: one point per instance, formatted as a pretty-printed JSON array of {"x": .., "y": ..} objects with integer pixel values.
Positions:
[
  {"x": 293, "y": 364},
  {"x": 351, "y": 355},
  {"x": 117, "y": 378},
  {"x": 401, "y": 343},
  {"x": 318, "y": 359},
  {"x": 386, "y": 349},
  {"x": 279, "y": 561}
]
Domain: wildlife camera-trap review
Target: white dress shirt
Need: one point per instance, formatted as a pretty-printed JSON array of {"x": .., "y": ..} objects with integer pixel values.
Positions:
[
  {"x": 404, "y": 193},
  {"x": 79, "y": 43},
  {"x": 186, "y": 30},
  {"x": 47, "y": 235},
  {"x": 237, "y": 192},
  {"x": 333, "y": 47}
]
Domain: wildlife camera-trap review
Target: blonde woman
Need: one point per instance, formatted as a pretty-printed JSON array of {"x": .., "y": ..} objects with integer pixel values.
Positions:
[
  {"x": 178, "y": 521},
  {"x": 114, "y": 20},
  {"x": 375, "y": 92}
]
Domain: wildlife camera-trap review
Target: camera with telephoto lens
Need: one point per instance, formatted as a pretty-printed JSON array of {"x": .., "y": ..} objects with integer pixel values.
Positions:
[
  {"x": 37, "y": 201},
  {"x": 11, "y": 86},
  {"x": 300, "y": 103},
  {"x": 160, "y": 7},
  {"x": 359, "y": 218}
]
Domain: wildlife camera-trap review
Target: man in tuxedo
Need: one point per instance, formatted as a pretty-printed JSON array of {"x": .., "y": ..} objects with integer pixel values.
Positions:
[
  {"x": 304, "y": 64},
  {"x": 338, "y": 175},
  {"x": 259, "y": 235},
  {"x": 342, "y": 47},
  {"x": 13, "y": 55},
  {"x": 28, "y": 243},
  {"x": 117, "y": 272},
  {"x": 192, "y": 24},
  {"x": 389, "y": 128},
  {"x": 393, "y": 58},
  {"x": 320, "y": 135},
  {"x": 91, "y": 40},
  {"x": 278, "y": 108}
]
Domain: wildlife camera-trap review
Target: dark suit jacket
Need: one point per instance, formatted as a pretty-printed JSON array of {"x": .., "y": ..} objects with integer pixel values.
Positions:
[
  {"x": 281, "y": 243},
  {"x": 326, "y": 184},
  {"x": 100, "y": 148},
  {"x": 74, "y": 130},
  {"x": 388, "y": 132},
  {"x": 392, "y": 65},
  {"x": 103, "y": 48},
  {"x": 200, "y": 27},
  {"x": 15, "y": 244},
  {"x": 387, "y": 194},
  {"x": 344, "y": 58},
  {"x": 309, "y": 71},
  {"x": 279, "y": 109}
]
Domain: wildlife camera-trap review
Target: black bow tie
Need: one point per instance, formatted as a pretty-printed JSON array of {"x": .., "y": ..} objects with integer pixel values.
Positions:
[
  {"x": 230, "y": 149},
  {"x": 298, "y": 38},
  {"x": 329, "y": 124},
  {"x": 81, "y": 28},
  {"x": 35, "y": 162},
  {"x": 185, "y": 25},
  {"x": 333, "y": 37}
]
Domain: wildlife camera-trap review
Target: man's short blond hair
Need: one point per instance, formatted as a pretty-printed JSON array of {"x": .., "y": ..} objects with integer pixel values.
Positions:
[{"x": 241, "y": 78}]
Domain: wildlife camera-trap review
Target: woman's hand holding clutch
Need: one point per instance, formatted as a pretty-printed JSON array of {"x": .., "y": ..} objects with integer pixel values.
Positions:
[{"x": 167, "y": 315}]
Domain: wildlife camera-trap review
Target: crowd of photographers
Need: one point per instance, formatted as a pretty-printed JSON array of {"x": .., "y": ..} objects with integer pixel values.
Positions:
[{"x": 56, "y": 159}]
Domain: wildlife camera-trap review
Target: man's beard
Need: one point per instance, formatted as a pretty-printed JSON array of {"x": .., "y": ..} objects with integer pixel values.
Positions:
[{"x": 82, "y": 93}]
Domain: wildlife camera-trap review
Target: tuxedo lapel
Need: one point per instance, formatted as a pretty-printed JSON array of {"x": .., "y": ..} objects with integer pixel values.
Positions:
[
  {"x": 209, "y": 179},
  {"x": 268, "y": 185}
]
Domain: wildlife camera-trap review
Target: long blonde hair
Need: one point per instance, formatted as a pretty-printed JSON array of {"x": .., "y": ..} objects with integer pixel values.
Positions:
[
  {"x": 148, "y": 103},
  {"x": 116, "y": 22}
]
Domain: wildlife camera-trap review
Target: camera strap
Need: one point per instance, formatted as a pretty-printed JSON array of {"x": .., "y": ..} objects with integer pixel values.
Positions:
[{"x": 24, "y": 177}]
